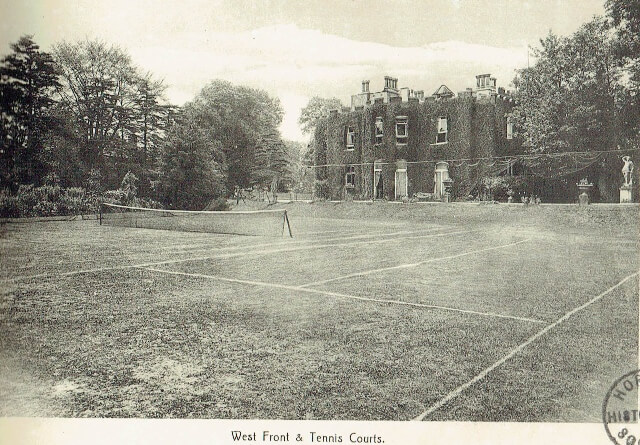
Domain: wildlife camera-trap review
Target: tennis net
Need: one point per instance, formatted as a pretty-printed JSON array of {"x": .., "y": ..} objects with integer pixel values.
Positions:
[{"x": 254, "y": 222}]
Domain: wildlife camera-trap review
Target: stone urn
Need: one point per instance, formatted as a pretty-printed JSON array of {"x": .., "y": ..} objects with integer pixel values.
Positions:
[
  {"x": 584, "y": 186},
  {"x": 447, "y": 185}
]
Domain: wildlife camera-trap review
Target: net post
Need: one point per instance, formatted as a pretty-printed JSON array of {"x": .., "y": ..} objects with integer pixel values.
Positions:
[
  {"x": 100, "y": 212},
  {"x": 286, "y": 218}
]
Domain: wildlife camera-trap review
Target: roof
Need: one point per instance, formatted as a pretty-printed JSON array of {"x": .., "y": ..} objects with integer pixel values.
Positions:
[{"x": 443, "y": 90}]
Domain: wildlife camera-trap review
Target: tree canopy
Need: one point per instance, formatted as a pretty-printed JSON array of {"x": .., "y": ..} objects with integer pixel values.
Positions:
[{"x": 28, "y": 78}]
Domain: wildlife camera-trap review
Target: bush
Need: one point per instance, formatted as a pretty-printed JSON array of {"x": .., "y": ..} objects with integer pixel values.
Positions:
[
  {"x": 48, "y": 200},
  {"x": 8, "y": 205},
  {"x": 218, "y": 204},
  {"x": 322, "y": 189}
]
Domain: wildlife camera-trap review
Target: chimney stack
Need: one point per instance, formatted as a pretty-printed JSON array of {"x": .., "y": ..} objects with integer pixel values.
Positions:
[
  {"x": 365, "y": 86},
  {"x": 390, "y": 82}
]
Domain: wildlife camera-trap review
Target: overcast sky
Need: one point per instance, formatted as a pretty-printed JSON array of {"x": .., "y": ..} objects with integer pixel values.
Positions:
[{"x": 295, "y": 50}]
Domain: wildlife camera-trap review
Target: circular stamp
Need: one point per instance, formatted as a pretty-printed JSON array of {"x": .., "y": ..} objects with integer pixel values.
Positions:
[{"x": 620, "y": 410}]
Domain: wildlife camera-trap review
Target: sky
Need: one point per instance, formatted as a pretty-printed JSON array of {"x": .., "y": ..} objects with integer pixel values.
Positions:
[{"x": 299, "y": 49}]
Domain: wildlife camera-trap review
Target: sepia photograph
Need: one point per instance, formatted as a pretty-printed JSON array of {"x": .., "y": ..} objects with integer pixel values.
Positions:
[{"x": 336, "y": 221}]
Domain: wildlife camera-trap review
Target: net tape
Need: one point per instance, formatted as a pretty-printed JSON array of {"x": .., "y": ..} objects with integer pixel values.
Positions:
[{"x": 273, "y": 222}]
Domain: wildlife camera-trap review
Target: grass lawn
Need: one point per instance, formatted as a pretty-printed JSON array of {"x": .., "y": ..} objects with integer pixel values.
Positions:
[{"x": 371, "y": 312}]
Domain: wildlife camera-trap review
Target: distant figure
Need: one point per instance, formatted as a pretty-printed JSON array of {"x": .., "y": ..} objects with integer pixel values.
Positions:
[
  {"x": 538, "y": 200},
  {"x": 525, "y": 200},
  {"x": 627, "y": 170}
]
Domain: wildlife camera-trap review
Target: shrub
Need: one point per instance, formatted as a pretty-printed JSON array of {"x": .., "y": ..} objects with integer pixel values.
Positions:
[
  {"x": 218, "y": 204},
  {"x": 8, "y": 205},
  {"x": 322, "y": 189}
]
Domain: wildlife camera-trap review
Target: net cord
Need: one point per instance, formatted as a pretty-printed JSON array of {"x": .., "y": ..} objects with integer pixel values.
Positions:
[{"x": 193, "y": 212}]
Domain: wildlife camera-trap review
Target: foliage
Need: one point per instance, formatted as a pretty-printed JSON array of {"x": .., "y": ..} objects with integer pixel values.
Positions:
[
  {"x": 87, "y": 116},
  {"x": 27, "y": 78},
  {"x": 577, "y": 97},
  {"x": 113, "y": 109},
  {"x": 128, "y": 185},
  {"x": 191, "y": 166},
  {"x": 301, "y": 176},
  {"x": 316, "y": 109},
  {"x": 47, "y": 200},
  {"x": 322, "y": 189},
  {"x": 218, "y": 204},
  {"x": 236, "y": 118},
  {"x": 570, "y": 99},
  {"x": 625, "y": 18},
  {"x": 310, "y": 116},
  {"x": 272, "y": 164}
]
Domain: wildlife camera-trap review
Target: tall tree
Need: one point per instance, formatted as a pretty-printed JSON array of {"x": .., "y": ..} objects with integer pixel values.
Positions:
[
  {"x": 236, "y": 117},
  {"x": 571, "y": 99},
  {"x": 27, "y": 79},
  {"x": 272, "y": 166},
  {"x": 99, "y": 89},
  {"x": 625, "y": 21},
  {"x": 191, "y": 166},
  {"x": 625, "y": 17},
  {"x": 149, "y": 125},
  {"x": 316, "y": 109}
]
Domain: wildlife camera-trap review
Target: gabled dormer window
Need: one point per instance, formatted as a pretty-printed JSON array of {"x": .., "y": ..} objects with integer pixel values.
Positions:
[
  {"x": 351, "y": 137},
  {"x": 443, "y": 130},
  {"x": 402, "y": 130},
  {"x": 379, "y": 131}
]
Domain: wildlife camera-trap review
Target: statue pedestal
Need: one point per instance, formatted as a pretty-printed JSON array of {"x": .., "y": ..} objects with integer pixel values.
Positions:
[
  {"x": 626, "y": 194},
  {"x": 448, "y": 186},
  {"x": 585, "y": 190}
]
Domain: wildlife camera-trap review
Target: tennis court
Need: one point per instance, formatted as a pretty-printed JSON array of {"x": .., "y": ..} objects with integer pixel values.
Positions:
[{"x": 370, "y": 312}]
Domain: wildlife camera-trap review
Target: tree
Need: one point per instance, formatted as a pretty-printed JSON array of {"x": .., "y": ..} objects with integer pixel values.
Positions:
[
  {"x": 27, "y": 79},
  {"x": 99, "y": 90},
  {"x": 625, "y": 21},
  {"x": 625, "y": 18},
  {"x": 272, "y": 162},
  {"x": 572, "y": 99},
  {"x": 149, "y": 124},
  {"x": 191, "y": 166},
  {"x": 302, "y": 177},
  {"x": 236, "y": 117},
  {"x": 316, "y": 109}
]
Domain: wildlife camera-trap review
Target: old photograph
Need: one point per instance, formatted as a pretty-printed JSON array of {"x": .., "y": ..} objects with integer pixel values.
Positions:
[{"x": 334, "y": 210}]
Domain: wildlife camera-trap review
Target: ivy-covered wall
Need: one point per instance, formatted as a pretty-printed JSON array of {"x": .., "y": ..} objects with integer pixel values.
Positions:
[{"x": 476, "y": 128}]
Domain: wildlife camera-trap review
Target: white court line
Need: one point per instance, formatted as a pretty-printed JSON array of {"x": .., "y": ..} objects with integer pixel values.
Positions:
[
  {"x": 235, "y": 254},
  {"x": 456, "y": 392},
  {"x": 409, "y": 265},
  {"x": 336, "y": 294}
]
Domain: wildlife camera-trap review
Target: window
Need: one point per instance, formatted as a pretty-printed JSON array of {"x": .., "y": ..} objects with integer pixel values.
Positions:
[
  {"x": 350, "y": 176},
  {"x": 379, "y": 130},
  {"x": 509, "y": 128},
  {"x": 402, "y": 130},
  {"x": 351, "y": 137},
  {"x": 443, "y": 130}
]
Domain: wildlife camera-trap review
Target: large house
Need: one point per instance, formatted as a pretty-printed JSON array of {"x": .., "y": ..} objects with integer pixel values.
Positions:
[{"x": 397, "y": 143}]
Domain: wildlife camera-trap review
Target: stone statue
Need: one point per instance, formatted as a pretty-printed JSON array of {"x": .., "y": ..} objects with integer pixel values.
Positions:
[{"x": 627, "y": 170}]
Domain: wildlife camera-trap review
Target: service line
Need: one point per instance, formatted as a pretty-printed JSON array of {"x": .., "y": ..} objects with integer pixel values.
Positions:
[
  {"x": 337, "y": 294},
  {"x": 409, "y": 265},
  {"x": 245, "y": 253}
]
